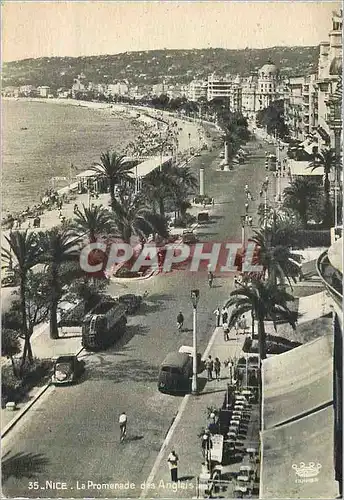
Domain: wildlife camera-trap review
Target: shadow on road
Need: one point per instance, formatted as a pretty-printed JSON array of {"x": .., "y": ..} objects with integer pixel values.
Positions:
[
  {"x": 134, "y": 438},
  {"x": 22, "y": 465},
  {"x": 185, "y": 478},
  {"x": 134, "y": 370}
]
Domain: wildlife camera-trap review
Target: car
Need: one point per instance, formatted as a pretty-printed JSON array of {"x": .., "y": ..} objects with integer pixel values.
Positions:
[
  {"x": 131, "y": 301},
  {"x": 9, "y": 278},
  {"x": 203, "y": 216},
  {"x": 189, "y": 238},
  {"x": 222, "y": 154},
  {"x": 67, "y": 369}
]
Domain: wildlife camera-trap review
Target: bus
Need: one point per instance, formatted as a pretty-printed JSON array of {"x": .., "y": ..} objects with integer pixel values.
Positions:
[{"x": 175, "y": 372}]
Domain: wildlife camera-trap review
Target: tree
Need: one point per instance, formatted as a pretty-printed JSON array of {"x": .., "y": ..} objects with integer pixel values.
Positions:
[
  {"x": 300, "y": 195},
  {"x": 10, "y": 346},
  {"x": 88, "y": 290},
  {"x": 58, "y": 246},
  {"x": 265, "y": 301},
  {"x": 113, "y": 166},
  {"x": 327, "y": 160},
  {"x": 156, "y": 186},
  {"x": 272, "y": 118},
  {"x": 275, "y": 255},
  {"x": 91, "y": 221},
  {"x": 133, "y": 218},
  {"x": 37, "y": 292},
  {"x": 24, "y": 247}
]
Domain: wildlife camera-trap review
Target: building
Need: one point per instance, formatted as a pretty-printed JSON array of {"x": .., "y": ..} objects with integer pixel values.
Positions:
[
  {"x": 10, "y": 91},
  {"x": 197, "y": 89},
  {"x": 268, "y": 78},
  {"x": 329, "y": 71},
  {"x": 249, "y": 98},
  {"x": 26, "y": 90},
  {"x": 119, "y": 88},
  {"x": 225, "y": 88},
  {"x": 293, "y": 106},
  {"x": 43, "y": 91}
]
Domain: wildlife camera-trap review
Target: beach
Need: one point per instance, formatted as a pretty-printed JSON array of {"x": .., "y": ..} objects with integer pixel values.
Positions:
[{"x": 144, "y": 124}]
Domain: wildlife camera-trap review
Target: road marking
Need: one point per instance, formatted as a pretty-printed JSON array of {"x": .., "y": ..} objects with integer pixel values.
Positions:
[{"x": 176, "y": 421}]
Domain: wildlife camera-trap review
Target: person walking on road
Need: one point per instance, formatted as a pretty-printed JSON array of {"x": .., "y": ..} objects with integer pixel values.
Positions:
[
  {"x": 180, "y": 321},
  {"x": 173, "y": 465},
  {"x": 225, "y": 331},
  {"x": 246, "y": 207},
  {"x": 217, "y": 316},
  {"x": 209, "y": 366},
  {"x": 224, "y": 314},
  {"x": 123, "y": 425},
  {"x": 217, "y": 368}
]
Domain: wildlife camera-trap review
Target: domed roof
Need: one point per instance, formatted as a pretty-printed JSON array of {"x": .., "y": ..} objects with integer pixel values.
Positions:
[
  {"x": 269, "y": 67},
  {"x": 336, "y": 66}
]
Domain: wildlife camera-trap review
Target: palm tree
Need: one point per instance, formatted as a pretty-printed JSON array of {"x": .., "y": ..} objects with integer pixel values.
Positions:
[
  {"x": 265, "y": 300},
  {"x": 327, "y": 160},
  {"x": 300, "y": 195},
  {"x": 58, "y": 246},
  {"x": 113, "y": 166},
  {"x": 133, "y": 218},
  {"x": 182, "y": 184},
  {"x": 275, "y": 255},
  {"x": 27, "y": 252},
  {"x": 157, "y": 187},
  {"x": 92, "y": 221}
]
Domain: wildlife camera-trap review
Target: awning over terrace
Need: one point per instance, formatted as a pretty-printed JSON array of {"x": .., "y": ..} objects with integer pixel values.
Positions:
[
  {"x": 297, "y": 381},
  {"x": 302, "y": 168},
  {"x": 308, "y": 440},
  {"x": 144, "y": 168}
]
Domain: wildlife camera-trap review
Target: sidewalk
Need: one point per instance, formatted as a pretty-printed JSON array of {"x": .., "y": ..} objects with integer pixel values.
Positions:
[
  {"x": 43, "y": 347},
  {"x": 185, "y": 440}
]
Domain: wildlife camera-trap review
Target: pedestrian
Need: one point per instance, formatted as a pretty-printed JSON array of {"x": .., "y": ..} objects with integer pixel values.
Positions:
[
  {"x": 217, "y": 316},
  {"x": 206, "y": 444},
  {"x": 173, "y": 464},
  {"x": 243, "y": 324},
  {"x": 230, "y": 371},
  {"x": 209, "y": 367},
  {"x": 217, "y": 368},
  {"x": 123, "y": 425},
  {"x": 224, "y": 314},
  {"x": 246, "y": 207},
  {"x": 246, "y": 188},
  {"x": 236, "y": 281},
  {"x": 260, "y": 193},
  {"x": 250, "y": 221},
  {"x": 180, "y": 321}
]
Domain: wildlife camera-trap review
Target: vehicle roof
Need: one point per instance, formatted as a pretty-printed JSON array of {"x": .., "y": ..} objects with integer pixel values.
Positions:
[
  {"x": 176, "y": 359},
  {"x": 65, "y": 358}
]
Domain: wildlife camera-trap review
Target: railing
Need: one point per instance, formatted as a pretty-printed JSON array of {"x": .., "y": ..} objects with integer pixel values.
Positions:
[{"x": 328, "y": 274}]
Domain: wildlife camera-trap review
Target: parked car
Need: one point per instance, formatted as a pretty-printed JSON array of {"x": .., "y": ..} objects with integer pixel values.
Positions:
[
  {"x": 203, "y": 216},
  {"x": 67, "y": 369},
  {"x": 131, "y": 301},
  {"x": 189, "y": 237},
  {"x": 9, "y": 278}
]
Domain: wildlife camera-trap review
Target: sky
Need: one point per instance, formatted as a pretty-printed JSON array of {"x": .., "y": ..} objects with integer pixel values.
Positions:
[{"x": 46, "y": 29}]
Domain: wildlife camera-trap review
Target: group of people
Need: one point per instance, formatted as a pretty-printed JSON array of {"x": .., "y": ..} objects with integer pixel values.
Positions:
[{"x": 213, "y": 367}]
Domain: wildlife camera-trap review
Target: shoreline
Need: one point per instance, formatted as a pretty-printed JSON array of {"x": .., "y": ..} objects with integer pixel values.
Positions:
[{"x": 191, "y": 134}]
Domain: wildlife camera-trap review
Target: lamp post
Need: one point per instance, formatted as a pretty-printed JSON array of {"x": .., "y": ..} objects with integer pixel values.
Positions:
[
  {"x": 334, "y": 108},
  {"x": 189, "y": 136},
  {"x": 194, "y": 300},
  {"x": 243, "y": 224}
]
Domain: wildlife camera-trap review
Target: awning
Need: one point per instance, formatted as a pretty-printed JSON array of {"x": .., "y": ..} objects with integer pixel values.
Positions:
[
  {"x": 297, "y": 381},
  {"x": 302, "y": 168},
  {"x": 298, "y": 459},
  {"x": 335, "y": 254}
]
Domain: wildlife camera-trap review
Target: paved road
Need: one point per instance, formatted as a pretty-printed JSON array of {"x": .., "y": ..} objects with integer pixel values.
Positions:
[{"x": 72, "y": 434}]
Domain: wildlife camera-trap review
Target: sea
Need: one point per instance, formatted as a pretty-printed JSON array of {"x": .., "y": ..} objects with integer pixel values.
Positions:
[{"x": 42, "y": 140}]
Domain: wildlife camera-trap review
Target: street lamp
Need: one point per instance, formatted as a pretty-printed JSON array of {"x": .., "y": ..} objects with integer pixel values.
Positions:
[
  {"x": 194, "y": 300},
  {"x": 243, "y": 223}
]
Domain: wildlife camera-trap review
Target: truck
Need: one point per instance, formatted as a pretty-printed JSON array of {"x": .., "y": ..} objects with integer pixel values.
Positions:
[{"x": 103, "y": 325}]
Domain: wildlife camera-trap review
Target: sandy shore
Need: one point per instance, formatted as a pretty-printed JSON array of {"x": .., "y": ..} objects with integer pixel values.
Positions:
[{"x": 191, "y": 134}]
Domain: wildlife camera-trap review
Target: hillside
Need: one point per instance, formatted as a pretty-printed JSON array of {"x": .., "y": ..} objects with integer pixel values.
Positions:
[{"x": 153, "y": 66}]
